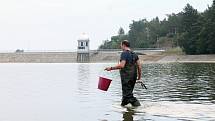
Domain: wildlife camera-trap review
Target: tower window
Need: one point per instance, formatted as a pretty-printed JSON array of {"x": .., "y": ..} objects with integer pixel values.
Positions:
[{"x": 86, "y": 43}]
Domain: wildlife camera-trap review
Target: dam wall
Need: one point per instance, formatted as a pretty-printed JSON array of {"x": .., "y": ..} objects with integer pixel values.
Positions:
[
  {"x": 38, "y": 57},
  {"x": 55, "y": 57}
]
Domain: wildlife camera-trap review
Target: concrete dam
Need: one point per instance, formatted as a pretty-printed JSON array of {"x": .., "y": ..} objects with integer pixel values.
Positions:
[{"x": 56, "y": 57}]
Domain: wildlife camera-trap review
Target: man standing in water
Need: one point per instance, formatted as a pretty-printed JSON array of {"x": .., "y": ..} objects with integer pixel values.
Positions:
[{"x": 130, "y": 71}]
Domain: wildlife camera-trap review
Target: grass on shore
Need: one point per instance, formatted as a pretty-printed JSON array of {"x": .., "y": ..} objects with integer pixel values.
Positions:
[{"x": 174, "y": 51}]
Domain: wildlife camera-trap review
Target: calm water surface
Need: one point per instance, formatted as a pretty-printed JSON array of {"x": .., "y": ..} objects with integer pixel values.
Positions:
[{"x": 68, "y": 92}]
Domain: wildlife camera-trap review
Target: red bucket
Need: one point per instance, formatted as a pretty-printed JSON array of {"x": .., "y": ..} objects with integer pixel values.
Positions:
[{"x": 104, "y": 83}]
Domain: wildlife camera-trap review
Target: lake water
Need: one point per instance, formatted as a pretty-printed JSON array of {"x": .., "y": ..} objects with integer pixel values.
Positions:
[{"x": 68, "y": 92}]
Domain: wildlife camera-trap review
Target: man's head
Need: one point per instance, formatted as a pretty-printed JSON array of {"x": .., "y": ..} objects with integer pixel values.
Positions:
[{"x": 125, "y": 44}]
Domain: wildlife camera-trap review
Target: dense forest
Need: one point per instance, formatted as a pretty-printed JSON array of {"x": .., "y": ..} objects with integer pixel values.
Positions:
[{"x": 192, "y": 31}]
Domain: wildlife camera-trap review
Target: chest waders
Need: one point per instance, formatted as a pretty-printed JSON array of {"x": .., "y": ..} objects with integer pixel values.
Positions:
[{"x": 128, "y": 76}]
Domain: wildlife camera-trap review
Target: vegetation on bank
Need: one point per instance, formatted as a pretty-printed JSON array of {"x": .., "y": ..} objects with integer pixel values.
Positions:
[
  {"x": 192, "y": 31},
  {"x": 174, "y": 51}
]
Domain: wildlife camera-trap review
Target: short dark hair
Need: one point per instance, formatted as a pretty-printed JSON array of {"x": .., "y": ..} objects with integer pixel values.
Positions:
[{"x": 126, "y": 43}]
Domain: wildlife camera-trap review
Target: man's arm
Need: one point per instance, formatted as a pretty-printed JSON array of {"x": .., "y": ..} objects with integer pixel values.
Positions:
[
  {"x": 119, "y": 66},
  {"x": 139, "y": 70}
]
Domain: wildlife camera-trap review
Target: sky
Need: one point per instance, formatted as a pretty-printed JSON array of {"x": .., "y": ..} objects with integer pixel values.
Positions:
[{"x": 46, "y": 25}]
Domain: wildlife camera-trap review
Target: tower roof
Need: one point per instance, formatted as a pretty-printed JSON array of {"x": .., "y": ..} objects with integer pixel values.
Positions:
[{"x": 83, "y": 36}]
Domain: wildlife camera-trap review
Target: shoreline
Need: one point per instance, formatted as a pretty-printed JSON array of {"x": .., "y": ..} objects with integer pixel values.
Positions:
[
  {"x": 179, "y": 59},
  {"x": 70, "y": 57}
]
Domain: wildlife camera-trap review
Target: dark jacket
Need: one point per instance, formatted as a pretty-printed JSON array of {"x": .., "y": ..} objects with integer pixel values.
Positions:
[{"x": 129, "y": 72}]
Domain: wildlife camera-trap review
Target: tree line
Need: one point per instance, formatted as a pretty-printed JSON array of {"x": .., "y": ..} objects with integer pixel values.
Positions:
[{"x": 189, "y": 29}]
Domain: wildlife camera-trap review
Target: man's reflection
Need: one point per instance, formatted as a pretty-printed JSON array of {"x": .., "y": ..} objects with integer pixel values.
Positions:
[{"x": 128, "y": 115}]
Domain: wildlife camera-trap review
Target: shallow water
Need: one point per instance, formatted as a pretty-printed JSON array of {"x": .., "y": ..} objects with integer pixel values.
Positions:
[{"x": 65, "y": 92}]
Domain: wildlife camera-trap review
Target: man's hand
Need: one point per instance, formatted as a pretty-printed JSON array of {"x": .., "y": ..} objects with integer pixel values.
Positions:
[
  {"x": 119, "y": 66},
  {"x": 142, "y": 84},
  {"x": 108, "y": 69},
  {"x": 139, "y": 81}
]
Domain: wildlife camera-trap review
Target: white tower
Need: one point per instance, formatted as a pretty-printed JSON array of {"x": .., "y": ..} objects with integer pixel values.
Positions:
[{"x": 83, "y": 51}]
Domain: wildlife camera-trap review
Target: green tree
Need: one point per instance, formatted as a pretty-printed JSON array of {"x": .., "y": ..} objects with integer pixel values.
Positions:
[
  {"x": 174, "y": 25},
  {"x": 190, "y": 28},
  {"x": 138, "y": 34},
  {"x": 194, "y": 32},
  {"x": 115, "y": 41},
  {"x": 121, "y": 31},
  {"x": 206, "y": 39},
  {"x": 154, "y": 31}
]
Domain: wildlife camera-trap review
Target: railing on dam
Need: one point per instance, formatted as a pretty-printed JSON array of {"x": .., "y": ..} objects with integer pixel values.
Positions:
[
  {"x": 57, "y": 56},
  {"x": 158, "y": 49},
  {"x": 91, "y": 51},
  {"x": 141, "y": 50}
]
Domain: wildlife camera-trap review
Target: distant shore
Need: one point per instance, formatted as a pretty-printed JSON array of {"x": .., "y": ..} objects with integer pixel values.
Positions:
[
  {"x": 177, "y": 58},
  {"x": 102, "y": 57}
]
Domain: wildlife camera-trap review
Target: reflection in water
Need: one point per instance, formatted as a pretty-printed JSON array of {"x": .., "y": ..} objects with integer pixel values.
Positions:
[
  {"x": 83, "y": 79},
  {"x": 179, "y": 82},
  {"x": 189, "y": 87},
  {"x": 128, "y": 115},
  {"x": 64, "y": 92}
]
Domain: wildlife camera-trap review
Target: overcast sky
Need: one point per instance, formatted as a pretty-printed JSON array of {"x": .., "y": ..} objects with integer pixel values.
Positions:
[{"x": 57, "y": 24}]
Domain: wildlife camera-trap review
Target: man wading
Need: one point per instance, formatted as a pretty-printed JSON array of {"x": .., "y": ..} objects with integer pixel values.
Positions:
[{"x": 130, "y": 71}]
